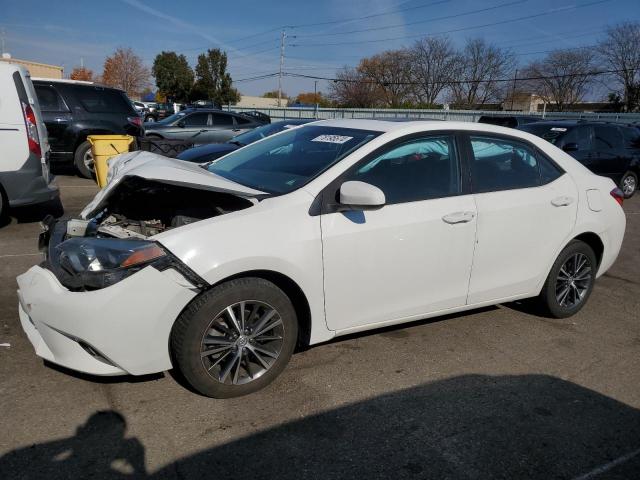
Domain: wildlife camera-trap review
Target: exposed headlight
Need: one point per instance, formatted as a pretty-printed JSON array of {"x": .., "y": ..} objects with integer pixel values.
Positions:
[{"x": 92, "y": 263}]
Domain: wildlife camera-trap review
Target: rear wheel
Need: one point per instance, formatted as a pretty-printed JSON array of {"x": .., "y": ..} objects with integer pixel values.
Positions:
[
  {"x": 236, "y": 338},
  {"x": 629, "y": 184},
  {"x": 570, "y": 280},
  {"x": 83, "y": 160},
  {"x": 149, "y": 119}
]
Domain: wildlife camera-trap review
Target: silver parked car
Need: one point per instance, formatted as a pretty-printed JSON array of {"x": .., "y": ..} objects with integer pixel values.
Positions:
[{"x": 201, "y": 126}]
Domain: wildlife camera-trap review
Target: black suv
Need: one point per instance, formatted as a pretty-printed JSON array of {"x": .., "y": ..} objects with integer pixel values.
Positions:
[
  {"x": 607, "y": 149},
  {"x": 72, "y": 110}
]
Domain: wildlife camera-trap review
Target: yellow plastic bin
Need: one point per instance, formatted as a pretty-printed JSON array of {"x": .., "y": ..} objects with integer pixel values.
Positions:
[{"x": 103, "y": 147}]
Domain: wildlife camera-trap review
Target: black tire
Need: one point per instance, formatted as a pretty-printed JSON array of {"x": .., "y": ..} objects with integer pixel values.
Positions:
[
  {"x": 632, "y": 179},
  {"x": 4, "y": 207},
  {"x": 79, "y": 160},
  {"x": 149, "y": 118},
  {"x": 195, "y": 321},
  {"x": 555, "y": 283}
]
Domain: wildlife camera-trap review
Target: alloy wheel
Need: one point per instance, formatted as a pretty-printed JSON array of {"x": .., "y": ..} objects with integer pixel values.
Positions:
[
  {"x": 242, "y": 342},
  {"x": 629, "y": 185},
  {"x": 87, "y": 159},
  {"x": 574, "y": 279}
]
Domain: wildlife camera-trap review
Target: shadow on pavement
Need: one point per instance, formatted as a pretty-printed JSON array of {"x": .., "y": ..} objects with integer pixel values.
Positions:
[
  {"x": 34, "y": 213},
  {"x": 515, "y": 427}
]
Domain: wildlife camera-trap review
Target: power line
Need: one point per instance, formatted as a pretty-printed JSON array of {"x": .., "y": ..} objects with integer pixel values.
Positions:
[
  {"x": 457, "y": 82},
  {"x": 429, "y": 20},
  {"x": 461, "y": 29},
  {"x": 366, "y": 17}
]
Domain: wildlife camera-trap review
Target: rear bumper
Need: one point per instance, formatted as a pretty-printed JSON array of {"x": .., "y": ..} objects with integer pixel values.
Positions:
[
  {"x": 121, "y": 329},
  {"x": 34, "y": 192}
]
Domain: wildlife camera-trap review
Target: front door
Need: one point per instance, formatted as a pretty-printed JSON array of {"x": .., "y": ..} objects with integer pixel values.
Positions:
[{"x": 411, "y": 257}]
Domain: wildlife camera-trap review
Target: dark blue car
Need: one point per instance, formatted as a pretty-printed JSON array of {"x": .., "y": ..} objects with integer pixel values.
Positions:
[{"x": 209, "y": 152}]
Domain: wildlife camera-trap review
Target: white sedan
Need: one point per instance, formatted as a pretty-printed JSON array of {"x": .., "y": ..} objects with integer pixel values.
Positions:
[{"x": 327, "y": 229}]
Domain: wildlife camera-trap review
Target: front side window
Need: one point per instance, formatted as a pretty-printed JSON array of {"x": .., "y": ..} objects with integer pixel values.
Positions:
[
  {"x": 500, "y": 164},
  {"x": 417, "y": 170},
  {"x": 196, "y": 120},
  {"x": 285, "y": 162}
]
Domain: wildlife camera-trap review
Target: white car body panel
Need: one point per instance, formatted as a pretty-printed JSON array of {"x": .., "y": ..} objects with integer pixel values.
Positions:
[
  {"x": 357, "y": 270},
  {"x": 389, "y": 253}
]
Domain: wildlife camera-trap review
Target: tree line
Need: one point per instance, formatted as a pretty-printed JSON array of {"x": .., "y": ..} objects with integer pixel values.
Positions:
[
  {"x": 175, "y": 79},
  {"x": 432, "y": 70}
]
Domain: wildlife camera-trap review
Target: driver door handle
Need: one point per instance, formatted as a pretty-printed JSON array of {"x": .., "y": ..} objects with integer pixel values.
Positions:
[
  {"x": 458, "y": 217},
  {"x": 561, "y": 201}
]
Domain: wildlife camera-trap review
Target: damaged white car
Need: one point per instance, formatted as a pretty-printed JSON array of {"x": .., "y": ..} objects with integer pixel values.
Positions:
[{"x": 331, "y": 228}]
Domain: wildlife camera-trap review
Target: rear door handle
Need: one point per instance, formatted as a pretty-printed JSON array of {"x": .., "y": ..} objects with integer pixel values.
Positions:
[
  {"x": 458, "y": 217},
  {"x": 561, "y": 201}
]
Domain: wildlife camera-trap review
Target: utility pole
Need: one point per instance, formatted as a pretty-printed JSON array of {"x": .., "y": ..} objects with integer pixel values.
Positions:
[
  {"x": 283, "y": 35},
  {"x": 315, "y": 96},
  {"x": 2, "y": 46},
  {"x": 513, "y": 89}
]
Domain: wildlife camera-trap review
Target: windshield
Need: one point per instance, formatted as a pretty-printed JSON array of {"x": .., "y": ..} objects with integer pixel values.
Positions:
[
  {"x": 550, "y": 133},
  {"x": 285, "y": 162},
  {"x": 260, "y": 133},
  {"x": 171, "y": 118}
]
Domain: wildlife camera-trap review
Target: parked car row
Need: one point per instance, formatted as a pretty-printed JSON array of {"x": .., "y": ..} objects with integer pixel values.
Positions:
[{"x": 608, "y": 149}]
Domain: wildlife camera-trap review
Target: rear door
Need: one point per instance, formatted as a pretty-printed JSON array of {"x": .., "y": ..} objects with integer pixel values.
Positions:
[
  {"x": 56, "y": 115},
  {"x": 526, "y": 211},
  {"x": 611, "y": 159}
]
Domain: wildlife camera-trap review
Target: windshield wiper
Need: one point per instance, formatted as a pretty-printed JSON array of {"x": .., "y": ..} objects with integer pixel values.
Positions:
[{"x": 235, "y": 142}]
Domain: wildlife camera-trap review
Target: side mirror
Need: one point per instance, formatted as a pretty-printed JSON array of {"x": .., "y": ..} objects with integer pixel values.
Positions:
[
  {"x": 356, "y": 195},
  {"x": 570, "y": 147},
  {"x": 181, "y": 124}
]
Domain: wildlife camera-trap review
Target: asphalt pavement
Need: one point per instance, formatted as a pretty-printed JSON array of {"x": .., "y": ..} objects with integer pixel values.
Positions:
[{"x": 494, "y": 393}]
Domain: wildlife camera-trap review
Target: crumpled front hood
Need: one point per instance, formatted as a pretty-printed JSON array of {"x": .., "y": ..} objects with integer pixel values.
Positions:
[{"x": 156, "y": 167}]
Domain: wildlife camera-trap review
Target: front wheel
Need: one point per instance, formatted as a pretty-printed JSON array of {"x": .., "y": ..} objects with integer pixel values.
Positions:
[
  {"x": 235, "y": 338},
  {"x": 629, "y": 184},
  {"x": 570, "y": 280},
  {"x": 149, "y": 119}
]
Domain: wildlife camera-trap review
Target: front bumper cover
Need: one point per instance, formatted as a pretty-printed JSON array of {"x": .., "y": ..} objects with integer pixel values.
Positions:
[{"x": 121, "y": 329}]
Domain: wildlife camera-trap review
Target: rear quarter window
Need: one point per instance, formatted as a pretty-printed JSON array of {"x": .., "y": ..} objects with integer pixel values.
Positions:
[{"x": 101, "y": 100}]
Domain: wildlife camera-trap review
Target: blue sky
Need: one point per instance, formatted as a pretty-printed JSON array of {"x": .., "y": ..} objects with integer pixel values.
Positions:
[{"x": 63, "y": 32}]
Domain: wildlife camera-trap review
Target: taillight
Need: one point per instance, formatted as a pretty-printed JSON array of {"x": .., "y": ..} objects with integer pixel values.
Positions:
[
  {"x": 32, "y": 129},
  {"x": 137, "y": 121},
  {"x": 617, "y": 195}
]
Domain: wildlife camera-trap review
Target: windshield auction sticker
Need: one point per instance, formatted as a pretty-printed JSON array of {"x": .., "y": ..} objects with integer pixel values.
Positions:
[{"x": 332, "y": 139}]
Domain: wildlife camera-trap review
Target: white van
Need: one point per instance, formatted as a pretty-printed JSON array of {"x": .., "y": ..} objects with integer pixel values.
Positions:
[{"x": 24, "y": 147}]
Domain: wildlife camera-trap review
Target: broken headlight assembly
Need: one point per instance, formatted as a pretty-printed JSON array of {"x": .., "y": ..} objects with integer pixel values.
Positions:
[{"x": 90, "y": 263}]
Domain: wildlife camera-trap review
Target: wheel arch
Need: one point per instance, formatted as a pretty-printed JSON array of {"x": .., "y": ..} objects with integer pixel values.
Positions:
[
  {"x": 594, "y": 241},
  {"x": 291, "y": 289}
]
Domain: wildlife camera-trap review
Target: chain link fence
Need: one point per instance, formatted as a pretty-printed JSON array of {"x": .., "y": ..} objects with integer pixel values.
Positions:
[{"x": 286, "y": 113}]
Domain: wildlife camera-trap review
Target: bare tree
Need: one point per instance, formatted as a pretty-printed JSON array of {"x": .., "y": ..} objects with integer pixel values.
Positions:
[
  {"x": 562, "y": 77},
  {"x": 432, "y": 66},
  {"x": 352, "y": 89},
  {"x": 391, "y": 72},
  {"x": 620, "y": 50},
  {"x": 125, "y": 70},
  {"x": 478, "y": 67}
]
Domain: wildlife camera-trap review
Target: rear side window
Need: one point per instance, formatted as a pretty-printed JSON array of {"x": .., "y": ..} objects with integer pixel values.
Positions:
[
  {"x": 607, "y": 137},
  {"x": 102, "y": 100},
  {"x": 49, "y": 99},
  {"x": 417, "y": 170},
  {"x": 631, "y": 137},
  {"x": 222, "y": 120},
  {"x": 501, "y": 164},
  {"x": 242, "y": 121},
  {"x": 196, "y": 120}
]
